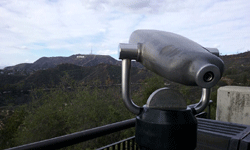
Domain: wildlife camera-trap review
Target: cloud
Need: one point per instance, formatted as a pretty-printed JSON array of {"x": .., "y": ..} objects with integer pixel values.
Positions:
[
  {"x": 117, "y": 5},
  {"x": 29, "y": 28},
  {"x": 107, "y": 52},
  {"x": 144, "y": 6},
  {"x": 28, "y": 22}
]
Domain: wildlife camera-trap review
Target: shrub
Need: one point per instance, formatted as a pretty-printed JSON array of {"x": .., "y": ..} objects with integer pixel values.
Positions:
[{"x": 63, "y": 111}]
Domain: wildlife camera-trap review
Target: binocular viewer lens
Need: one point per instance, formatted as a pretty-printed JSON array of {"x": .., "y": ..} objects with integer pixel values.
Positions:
[{"x": 208, "y": 77}]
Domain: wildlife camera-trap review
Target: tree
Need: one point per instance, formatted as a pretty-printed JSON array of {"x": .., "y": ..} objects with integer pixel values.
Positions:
[
  {"x": 151, "y": 84},
  {"x": 10, "y": 128},
  {"x": 244, "y": 79}
]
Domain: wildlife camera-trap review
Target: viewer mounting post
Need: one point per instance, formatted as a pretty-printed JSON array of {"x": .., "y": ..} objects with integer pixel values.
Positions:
[{"x": 166, "y": 120}]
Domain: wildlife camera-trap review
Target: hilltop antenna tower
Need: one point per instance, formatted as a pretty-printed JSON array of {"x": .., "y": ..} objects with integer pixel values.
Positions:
[{"x": 91, "y": 51}]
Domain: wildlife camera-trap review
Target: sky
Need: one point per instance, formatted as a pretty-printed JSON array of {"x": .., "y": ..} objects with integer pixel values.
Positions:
[{"x": 30, "y": 29}]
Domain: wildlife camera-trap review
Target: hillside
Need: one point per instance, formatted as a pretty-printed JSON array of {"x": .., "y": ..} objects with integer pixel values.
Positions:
[
  {"x": 79, "y": 60},
  {"x": 102, "y": 74},
  {"x": 237, "y": 69},
  {"x": 87, "y": 68}
]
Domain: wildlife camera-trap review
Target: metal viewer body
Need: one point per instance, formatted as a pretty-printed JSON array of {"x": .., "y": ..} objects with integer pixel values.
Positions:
[
  {"x": 166, "y": 120},
  {"x": 177, "y": 58}
]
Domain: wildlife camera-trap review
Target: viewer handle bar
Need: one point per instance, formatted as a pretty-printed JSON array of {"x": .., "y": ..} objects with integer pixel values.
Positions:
[
  {"x": 199, "y": 107},
  {"x": 126, "y": 65}
]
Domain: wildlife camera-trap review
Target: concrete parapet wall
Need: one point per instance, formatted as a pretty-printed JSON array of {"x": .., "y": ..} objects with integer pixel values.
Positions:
[{"x": 233, "y": 104}]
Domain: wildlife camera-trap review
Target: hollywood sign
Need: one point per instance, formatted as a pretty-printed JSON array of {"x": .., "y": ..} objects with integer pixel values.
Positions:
[{"x": 80, "y": 56}]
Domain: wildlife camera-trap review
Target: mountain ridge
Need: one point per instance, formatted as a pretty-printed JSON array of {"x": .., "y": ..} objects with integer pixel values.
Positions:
[
  {"x": 237, "y": 72},
  {"x": 77, "y": 59}
]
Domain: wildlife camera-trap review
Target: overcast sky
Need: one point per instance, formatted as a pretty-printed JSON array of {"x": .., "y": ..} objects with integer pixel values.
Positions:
[{"x": 30, "y": 29}]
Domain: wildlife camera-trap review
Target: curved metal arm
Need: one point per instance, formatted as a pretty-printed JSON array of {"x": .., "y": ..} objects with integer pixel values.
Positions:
[
  {"x": 126, "y": 65},
  {"x": 203, "y": 103}
]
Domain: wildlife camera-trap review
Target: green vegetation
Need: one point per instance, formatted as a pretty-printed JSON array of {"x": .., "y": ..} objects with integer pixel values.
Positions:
[
  {"x": 64, "y": 111},
  {"x": 151, "y": 84},
  {"x": 213, "y": 97}
]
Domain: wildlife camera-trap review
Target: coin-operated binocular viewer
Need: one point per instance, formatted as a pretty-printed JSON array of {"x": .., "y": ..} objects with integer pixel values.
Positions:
[{"x": 166, "y": 122}]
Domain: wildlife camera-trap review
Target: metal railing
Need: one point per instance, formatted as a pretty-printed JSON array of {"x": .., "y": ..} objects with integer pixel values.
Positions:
[
  {"x": 127, "y": 144},
  {"x": 82, "y": 136},
  {"x": 78, "y": 137}
]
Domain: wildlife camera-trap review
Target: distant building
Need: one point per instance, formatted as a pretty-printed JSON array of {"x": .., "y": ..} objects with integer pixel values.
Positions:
[{"x": 80, "y": 56}]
